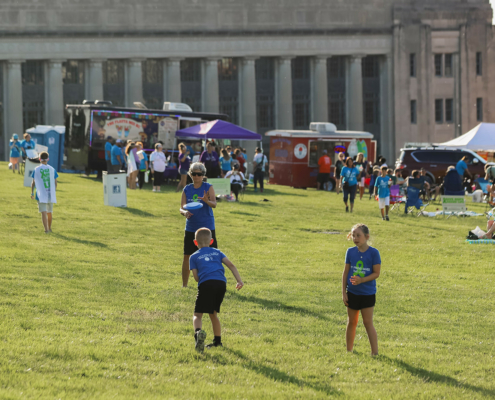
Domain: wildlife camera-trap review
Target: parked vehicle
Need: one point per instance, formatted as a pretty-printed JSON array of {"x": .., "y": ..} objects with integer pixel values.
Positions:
[{"x": 436, "y": 160}]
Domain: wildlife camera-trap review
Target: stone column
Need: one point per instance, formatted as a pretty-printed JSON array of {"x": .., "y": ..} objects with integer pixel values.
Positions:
[
  {"x": 55, "y": 93},
  {"x": 248, "y": 102},
  {"x": 284, "y": 93},
  {"x": 211, "y": 95},
  {"x": 13, "y": 104},
  {"x": 355, "y": 109},
  {"x": 386, "y": 105},
  {"x": 95, "y": 88},
  {"x": 134, "y": 81},
  {"x": 320, "y": 89},
  {"x": 173, "y": 93}
]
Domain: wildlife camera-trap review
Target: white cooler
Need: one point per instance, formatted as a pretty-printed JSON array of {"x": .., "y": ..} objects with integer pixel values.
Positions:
[
  {"x": 115, "y": 189},
  {"x": 28, "y": 172}
]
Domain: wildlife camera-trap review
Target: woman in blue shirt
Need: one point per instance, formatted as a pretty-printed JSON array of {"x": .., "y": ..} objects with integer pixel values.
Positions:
[
  {"x": 225, "y": 162},
  {"x": 27, "y": 144},
  {"x": 348, "y": 182},
  {"x": 200, "y": 192}
]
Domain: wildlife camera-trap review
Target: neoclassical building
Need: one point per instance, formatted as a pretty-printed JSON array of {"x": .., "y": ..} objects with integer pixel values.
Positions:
[{"x": 404, "y": 70}]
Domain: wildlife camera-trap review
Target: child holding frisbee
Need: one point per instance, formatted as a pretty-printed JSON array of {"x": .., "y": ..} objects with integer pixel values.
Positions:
[
  {"x": 206, "y": 266},
  {"x": 382, "y": 188},
  {"x": 362, "y": 268}
]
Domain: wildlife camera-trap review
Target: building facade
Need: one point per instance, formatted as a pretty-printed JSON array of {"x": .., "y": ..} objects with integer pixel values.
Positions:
[{"x": 406, "y": 71}]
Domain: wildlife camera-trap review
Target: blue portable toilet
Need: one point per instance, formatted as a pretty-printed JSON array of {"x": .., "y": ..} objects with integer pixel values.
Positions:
[{"x": 50, "y": 137}]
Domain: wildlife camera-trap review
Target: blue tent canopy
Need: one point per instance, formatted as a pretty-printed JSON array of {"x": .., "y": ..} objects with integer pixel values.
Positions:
[{"x": 217, "y": 129}]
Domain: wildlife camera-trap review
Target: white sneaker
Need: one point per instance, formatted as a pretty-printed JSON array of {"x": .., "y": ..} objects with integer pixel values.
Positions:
[{"x": 154, "y": 190}]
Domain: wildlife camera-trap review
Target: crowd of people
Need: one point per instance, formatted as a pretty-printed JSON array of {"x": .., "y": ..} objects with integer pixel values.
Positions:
[
  {"x": 18, "y": 150},
  {"x": 228, "y": 162}
]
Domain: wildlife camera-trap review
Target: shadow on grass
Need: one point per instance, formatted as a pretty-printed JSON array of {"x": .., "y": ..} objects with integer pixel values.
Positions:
[
  {"x": 136, "y": 211},
  {"x": 277, "y": 305},
  {"x": 244, "y": 213},
  {"x": 433, "y": 377},
  {"x": 80, "y": 241},
  {"x": 280, "y": 376}
]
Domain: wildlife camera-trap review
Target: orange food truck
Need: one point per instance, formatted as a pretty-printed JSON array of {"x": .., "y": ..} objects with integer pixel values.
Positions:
[{"x": 294, "y": 155}]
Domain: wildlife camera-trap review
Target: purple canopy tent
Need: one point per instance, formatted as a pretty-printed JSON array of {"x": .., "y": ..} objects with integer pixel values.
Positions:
[{"x": 217, "y": 129}]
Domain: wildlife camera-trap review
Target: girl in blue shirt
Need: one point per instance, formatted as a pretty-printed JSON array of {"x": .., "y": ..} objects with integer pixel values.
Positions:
[
  {"x": 362, "y": 268},
  {"x": 201, "y": 192},
  {"x": 348, "y": 182},
  {"x": 15, "y": 152}
]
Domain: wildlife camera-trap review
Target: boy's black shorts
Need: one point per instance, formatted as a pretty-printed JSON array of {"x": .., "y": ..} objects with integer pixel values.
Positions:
[
  {"x": 358, "y": 302},
  {"x": 190, "y": 247},
  {"x": 210, "y": 296}
]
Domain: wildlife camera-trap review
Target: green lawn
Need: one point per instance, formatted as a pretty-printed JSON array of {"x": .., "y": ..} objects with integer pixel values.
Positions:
[{"x": 96, "y": 309}]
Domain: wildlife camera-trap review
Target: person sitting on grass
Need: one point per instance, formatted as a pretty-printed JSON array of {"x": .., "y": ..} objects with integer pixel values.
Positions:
[
  {"x": 208, "y": 271},
  {"x": 362, "y": 268},
  {"x": 237, "y": 180},
  {"x": 45, "y": 181},
  {"x": 382, "y": 188}
]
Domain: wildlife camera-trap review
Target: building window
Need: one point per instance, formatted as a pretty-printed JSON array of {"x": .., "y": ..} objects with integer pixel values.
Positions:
[
  {"x": 33, "y": 94},
  {"x": 190, "y": 80},
  {"x": 228, "y": 88},
  {"x": 449, "y": 110},
  {"x": 337, "y": 91},
  {"x": 114, "y": 82},
  {"x": 301, "y": 92},
  {"x": 265, "y": 96},
  {"x": 153, "y": 83},
  {"x": 371, "y": 67},
  {"x": 336, "y": 109},
  {"x": 414, "y": 116},
  {"x": 73, "y": 80},
  {"x": 371, "y": 109},
  {"x": 438, "y": 65},
  {"x": 479, "y": 65},
  {"x": 479, "y": 109},
  {"x": 412, "y": 65},
  {"x": 448, "y": 65},
  {"x": 439, "y": 111},
  {"x": 266, "y": 115}
]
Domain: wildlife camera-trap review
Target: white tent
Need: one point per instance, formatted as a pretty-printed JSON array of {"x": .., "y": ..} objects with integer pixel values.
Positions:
[{"x": 480, "y": 138}]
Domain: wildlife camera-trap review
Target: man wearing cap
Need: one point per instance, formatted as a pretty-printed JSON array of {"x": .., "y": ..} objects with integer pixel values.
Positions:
[
  {"x": 108, "y": 153},
  {"x": 324, "y": 164},
  {"x": 116, "y": 157}
]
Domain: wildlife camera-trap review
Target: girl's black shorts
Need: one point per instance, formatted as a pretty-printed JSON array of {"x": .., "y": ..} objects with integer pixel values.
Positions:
[
  {"x": 210, "y": 296},
  {"x": 358, "y": 302},
  {"x": 190, "y": 247}
]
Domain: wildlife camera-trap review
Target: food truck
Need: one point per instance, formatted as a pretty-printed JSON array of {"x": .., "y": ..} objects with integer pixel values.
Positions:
[
  {"x": 88, "y": 125},
  {"x": 294, "y": 154}
]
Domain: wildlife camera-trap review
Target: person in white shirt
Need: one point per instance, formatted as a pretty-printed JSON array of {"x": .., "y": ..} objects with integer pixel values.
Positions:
[
  {"x": 158, "y": 164},
  {"x": 236, "y": 180},
  {"x": 45, "y": 181},
  {"x": 259, "y": 164}
]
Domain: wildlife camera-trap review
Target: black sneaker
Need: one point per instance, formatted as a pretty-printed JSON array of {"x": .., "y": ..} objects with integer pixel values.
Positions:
[
  {"x": 200, "y": 341},
  {"x": 346, "y": 209},
  {"x": 383, "y": 218},
  {"x": 387, "y": 218},
  {"x": 211, "y": 345}
]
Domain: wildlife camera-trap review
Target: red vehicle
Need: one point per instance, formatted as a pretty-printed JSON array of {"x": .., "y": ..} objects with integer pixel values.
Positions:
[{"x": 294, "y": 155}]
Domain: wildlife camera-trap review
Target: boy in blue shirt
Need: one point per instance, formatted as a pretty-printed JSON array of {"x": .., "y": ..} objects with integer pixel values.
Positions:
[
  {"x": 208, "y": 271},
  {"x": 382, "y": 187}
]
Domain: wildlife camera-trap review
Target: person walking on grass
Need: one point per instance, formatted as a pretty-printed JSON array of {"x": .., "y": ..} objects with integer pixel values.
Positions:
[
  {"x": 197, "y": 192},
  {"x": 45, "y": 181},
  {"x": 324, "y": 164},
  {"x": 361, "y": 165},
  {"x": 184, "y": 164},
  {"x": 259, "y": 162},
  {"x": 339, "y": 164},
  {"x": 382, "y": 189},
  {"x": 208, "y": 271},
  {"x": 348, "y": 182},
  {"x": 362, "y": 268},
  {"x": 158, "y": 165},
  {"x": 15, "y": 152}
]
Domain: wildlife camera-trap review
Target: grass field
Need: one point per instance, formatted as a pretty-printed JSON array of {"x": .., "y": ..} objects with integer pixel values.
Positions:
[{"x": 96, "y": 309}]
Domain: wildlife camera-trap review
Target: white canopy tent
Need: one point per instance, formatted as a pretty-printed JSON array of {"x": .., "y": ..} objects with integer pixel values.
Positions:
[{"x": 480, "y": 138}]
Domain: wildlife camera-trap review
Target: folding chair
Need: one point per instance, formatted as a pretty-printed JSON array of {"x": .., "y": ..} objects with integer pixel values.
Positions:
[
  {"x": 395, "y": 198},
  {"x": 413, "y": 200}
]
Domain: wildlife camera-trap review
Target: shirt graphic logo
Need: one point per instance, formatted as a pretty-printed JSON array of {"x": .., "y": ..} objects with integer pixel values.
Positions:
[
  {"x": 195, "y": 197},
  {"x": 207, "y": 259},
  {"x": 359, "y": 269},
  {"x": 116, "y": 189},
  {"x": 45, "y": 175}
]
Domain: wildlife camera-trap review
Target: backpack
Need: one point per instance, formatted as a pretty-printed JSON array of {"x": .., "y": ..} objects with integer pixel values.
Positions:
[{"x": 261, "y": 165}]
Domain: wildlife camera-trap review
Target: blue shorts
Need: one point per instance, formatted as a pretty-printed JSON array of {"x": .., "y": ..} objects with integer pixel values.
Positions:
[{"x": 183, "y": 171}]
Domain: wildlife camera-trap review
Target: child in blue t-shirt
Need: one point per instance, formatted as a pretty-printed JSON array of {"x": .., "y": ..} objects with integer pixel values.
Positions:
[
  {"x": 208, "y": 271},
  {"x": 382, "y": 188},
  {"x": 362, "y": 268}
]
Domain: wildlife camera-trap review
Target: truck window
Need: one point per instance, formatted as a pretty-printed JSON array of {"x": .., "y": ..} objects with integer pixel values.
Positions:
[
  {"x": 75, "y": 130},
  {"x": 316, "y": 151}
]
